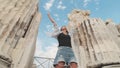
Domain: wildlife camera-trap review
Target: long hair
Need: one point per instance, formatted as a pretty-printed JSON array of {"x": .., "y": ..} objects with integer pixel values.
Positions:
[{"x": 66, "y": 29}]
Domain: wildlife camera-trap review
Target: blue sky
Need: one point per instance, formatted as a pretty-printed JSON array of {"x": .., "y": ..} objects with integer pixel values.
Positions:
[{"x": 104, "y": 9}]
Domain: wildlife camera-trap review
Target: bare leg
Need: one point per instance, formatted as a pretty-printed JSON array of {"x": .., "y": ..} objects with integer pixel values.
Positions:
[
  {"x": 73, "y": 65},
  {"x": 60, "y": 65}
]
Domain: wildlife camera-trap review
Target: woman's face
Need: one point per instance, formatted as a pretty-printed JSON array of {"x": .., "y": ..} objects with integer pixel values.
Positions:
[{"x": 64, "y": 28}]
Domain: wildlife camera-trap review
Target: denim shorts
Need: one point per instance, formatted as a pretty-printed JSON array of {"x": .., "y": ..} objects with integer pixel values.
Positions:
[{"x": 65, "y": 54}]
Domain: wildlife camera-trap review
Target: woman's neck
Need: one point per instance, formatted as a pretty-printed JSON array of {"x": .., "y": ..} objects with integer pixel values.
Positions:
[{"x": 64, "y": 32}]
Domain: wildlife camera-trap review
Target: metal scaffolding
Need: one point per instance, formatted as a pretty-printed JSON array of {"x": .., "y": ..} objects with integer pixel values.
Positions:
[{"x": 43, "y": 62}]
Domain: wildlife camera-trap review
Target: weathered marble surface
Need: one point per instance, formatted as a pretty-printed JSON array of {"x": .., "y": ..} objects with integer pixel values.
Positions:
[
  {"x": 19, "y": 22},
  {"x": 118, "y": 27},
  {"x": 94, "y": 41}
]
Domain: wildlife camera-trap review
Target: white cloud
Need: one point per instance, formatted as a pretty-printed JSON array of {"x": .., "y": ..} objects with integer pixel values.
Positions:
[
  {"x": 97, "y": 2},
  {"x": 86, "y": 2},
  {"x": 57, "y": 19},
  {"x": 61, "y": 6},
  {"x": 96, "y": 8},
  {"x": 65, "y": 21},
  {"x": 60, "y": 2},
  {"x": 56, "y": 15},
  {"x": 38, "y": 47},
  {"x": 49, "y": 4},
  {"x": 49, "y": 52},
  {"x": 49, "y": 27}
]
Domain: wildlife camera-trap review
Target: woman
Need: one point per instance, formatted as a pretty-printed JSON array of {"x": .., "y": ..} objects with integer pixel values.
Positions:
[{"x": 65, "y": 53}]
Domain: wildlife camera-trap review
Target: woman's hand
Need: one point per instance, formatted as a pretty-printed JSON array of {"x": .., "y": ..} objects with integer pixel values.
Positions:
[{"x": 51, "y": 19}]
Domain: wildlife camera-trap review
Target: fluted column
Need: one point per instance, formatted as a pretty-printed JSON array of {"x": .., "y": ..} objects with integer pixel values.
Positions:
[
  {"x": 95, "y": 42},
  {"x": 19, "y": 22}
]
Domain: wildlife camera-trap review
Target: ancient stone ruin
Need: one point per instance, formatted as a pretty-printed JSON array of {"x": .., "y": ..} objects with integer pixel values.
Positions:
[
  {"x": 19, "y": 21},
  {"x": 96, "y": 43}
]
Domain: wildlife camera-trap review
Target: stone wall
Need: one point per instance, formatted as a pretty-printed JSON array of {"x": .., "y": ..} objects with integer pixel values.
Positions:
[
  {"x": 95, "y": 42},
  {"x": 19, "y": 22},
  {"x": 118, "y": 27}
]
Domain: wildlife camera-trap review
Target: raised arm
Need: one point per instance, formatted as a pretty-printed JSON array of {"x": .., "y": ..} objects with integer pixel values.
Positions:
[
  {"x": 52, "y": 20},
  {"x": 56, "y": 31}
]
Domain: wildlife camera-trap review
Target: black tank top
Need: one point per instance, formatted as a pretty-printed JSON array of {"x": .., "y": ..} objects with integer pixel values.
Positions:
[{"x": 64, "y": 40}]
